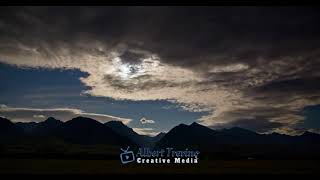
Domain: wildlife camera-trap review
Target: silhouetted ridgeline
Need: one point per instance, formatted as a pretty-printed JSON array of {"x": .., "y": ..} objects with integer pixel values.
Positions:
[
  {"x": 85, "y": 137},
  {"x": 241, "y": 143}
]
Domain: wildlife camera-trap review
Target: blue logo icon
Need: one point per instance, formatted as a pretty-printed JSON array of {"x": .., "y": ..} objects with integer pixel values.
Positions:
[{"x": 126, "y": 156}]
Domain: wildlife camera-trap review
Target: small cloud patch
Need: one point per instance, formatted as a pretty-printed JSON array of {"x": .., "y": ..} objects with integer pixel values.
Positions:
[
  {"x": 144, "y": 120},
  {"x": 39, "y": 116}
]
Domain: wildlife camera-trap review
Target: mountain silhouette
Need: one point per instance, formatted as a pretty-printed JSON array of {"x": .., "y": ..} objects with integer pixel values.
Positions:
[
  {"x": 141, "y": 140},
  {"x": 82, "y": 130},
  {"x": 27, "y": 127},
  {"x": 8, "y": 130},
  {"x": 309, "y": 137},
  {"x": 198, "y": 136},
  {"x": 42, "y": 128},
  {"x": 239, "y": 143},
  {"x": 184, "y": 136},
  {"x": 224, "y": 143},
  {"x": 237, "y": 135}
]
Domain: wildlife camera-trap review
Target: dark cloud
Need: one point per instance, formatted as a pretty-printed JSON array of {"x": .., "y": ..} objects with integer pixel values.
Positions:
[
  {"x": 132, "y": 57},
  {"x": 258, "y": 124},
  {"x": 298, "y": 85},
  {"x": 181, "y": 35},
  {"x": 269, "y": 55}
]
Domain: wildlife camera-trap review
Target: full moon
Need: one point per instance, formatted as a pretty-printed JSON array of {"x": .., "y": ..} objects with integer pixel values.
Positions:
[{"x": 127, "y": 71}]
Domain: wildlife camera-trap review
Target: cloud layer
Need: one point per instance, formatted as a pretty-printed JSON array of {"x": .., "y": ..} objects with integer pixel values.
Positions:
[
  {"x": 256, "y": 67},
  {"x": 145, "y": 131},
  {"x": 64, "y": 114}
]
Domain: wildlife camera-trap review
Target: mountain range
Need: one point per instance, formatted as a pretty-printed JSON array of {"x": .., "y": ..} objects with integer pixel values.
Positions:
[
  {"x": 234, "y": 141},
  {"x": 79, "y": 130},
  {"x": 201, "y": 136}
]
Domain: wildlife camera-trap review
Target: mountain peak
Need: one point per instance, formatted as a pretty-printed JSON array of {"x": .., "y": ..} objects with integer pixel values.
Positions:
[
  {"x": 161, "y": 133},
  {"x": 182, "y": 125},
  {"x": 83, "y": 121},
  {"x": 51, "y": 119},
  {"x": 85, "y": 130},
  {"x": 194, "y": 123},
  {"x": 308, "y": 133},
  {"x": 51, "y": 122},
  {"x": 5, "y": 121},
  {"x": 118, "y": 123},
  {"x": 119, "y": 127}
]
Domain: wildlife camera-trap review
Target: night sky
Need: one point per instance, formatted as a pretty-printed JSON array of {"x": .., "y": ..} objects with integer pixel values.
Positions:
[{"x": 156, "y": 67}]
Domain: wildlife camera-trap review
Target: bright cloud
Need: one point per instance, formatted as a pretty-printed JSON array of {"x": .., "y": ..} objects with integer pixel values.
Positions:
[
  {"x": 32, "y": 114},
  {"x": 145, "y": 131},
  {"x": 144, "y": 120}
]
